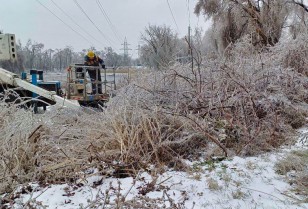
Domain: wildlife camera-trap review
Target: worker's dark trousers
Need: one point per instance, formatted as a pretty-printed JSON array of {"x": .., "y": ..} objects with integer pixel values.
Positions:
[{"x": 92, "y": 74}]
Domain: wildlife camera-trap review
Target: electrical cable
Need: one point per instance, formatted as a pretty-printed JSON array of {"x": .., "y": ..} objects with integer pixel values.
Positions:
[
  {"x": 84, "y": 30},
  {"x": 82, "y": 10},
  {"x": 173, "y": 16},
  {"x": 113, "y": 28},
  {"x": 64, "y": 22}
]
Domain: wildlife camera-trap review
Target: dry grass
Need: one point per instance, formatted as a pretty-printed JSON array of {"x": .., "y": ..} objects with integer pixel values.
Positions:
[
  {"x": 296, "y": 59},
  {"x": 250, "y": 91},
  {"x": 238, "y": 194},
  {"x": 213, "y": 184},
  {"x": 294, "y": 117},
  {"x": 144, "y": 133},
  {"x": 296, "y": 163},
  {"x": 60, "y": 145},
  {"x": 160, "y": 118}
]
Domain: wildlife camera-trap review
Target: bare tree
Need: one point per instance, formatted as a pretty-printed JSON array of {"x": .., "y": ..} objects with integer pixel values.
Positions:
[
  {"x": 299, "y": 18},
  {"x": 112, "y": 58},
  {"x": 160, "y": 46},
  {"x": 32, "y": 54},
  {"x": 263, "y": 20}
]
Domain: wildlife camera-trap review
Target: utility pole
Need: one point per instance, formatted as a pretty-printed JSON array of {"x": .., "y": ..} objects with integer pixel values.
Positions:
[{"x": 190, "y": 48}]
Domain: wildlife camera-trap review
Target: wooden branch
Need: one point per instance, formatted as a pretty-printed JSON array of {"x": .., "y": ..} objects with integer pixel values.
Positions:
[
  {"x": 301, "y": 4},
  {"x": 252, "y": 11},
  {"x": 208, "y": 135}
]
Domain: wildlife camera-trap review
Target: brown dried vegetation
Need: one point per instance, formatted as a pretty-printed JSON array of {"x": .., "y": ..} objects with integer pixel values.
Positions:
[{"x": 244, "y": 103}]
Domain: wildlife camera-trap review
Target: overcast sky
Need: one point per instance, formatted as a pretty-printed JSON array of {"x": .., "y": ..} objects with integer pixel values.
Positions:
[{"x": 28, "y": 19}]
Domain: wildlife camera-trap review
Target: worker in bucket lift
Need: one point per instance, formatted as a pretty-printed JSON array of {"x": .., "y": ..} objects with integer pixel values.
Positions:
[{"x": 92, "y": 60}]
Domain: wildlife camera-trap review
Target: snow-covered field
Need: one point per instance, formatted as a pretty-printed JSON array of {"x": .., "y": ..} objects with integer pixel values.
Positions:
[{"x": 234, "y": 183}]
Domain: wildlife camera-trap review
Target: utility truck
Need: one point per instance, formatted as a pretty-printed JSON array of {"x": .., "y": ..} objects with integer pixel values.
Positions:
[{"x": 31, "y": 89}]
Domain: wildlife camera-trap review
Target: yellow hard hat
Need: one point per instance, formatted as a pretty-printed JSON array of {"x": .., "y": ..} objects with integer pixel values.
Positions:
[{"x": 91, "y": 54}]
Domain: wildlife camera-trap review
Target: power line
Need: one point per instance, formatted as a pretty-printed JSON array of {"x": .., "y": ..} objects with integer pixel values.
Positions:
[
  {"x": 85, "y": 31},
  {"x": 107, "y": 19},
  {"x": 82, "y": 10},
  {"x": 173, "y": 16},
  {"x": 65, "y": 23},
  {"x": 113, "y": 28}
]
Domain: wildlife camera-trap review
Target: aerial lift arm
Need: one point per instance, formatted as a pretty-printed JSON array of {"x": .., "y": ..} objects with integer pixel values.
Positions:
[{"x": 13, "y": 80}]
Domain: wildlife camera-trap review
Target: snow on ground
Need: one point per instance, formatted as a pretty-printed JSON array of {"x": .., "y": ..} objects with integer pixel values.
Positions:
[{"x": 235, "y": 183}]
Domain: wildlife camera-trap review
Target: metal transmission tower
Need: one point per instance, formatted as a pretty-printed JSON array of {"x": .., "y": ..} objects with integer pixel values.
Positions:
[{"x": 126, "y": 49}]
